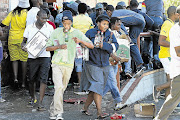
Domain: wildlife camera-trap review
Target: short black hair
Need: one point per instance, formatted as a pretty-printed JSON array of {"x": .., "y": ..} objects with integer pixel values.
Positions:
[
  {"x": 134, "y": 3},
  {"x": 119, "y": 7},
  {"x": 105, "y": 4},
  {"x": 82, "y": 8},
  {"x": 113, "y": 20},
  {"x": 171, "y": 10},
  {"x": 42, "y": 12},
  {"x": 110, "y": 7}
]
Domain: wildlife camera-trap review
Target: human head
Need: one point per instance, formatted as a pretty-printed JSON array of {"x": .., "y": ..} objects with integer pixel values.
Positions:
[
  {"x": 133, "y": 4},
  {"x": 82, "y": 8},
  {"x": 103, "y": 22},
  {"x": 115, "y": 23},
  {"x": 67, "y": 20},
  {"x": 171, "y": 12},
  {"x": 23, "y": 4},
  {"x": 37, "y": 3},
  {"x": 109, "y": 10},
  {"x": 104, "y": 5},
  {"x": 99, "y": 9},
  {"x": 178, "y": 11},
  {"x": 41, "y": 17},
  {"x": 122, "y": 3},
  {"x": 48, "y": 12}
]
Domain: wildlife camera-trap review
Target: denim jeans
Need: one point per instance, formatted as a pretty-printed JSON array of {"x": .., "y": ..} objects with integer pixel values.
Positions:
[
  {"x": 158, "y": 21},
  {"x": 111, "y": 84},
  {"x": 127, "y": 65},
  {"x": 136, "y": 23}
]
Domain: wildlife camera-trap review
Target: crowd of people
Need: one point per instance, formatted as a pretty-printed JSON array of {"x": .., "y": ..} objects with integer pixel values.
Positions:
[{"x": 87, "y": 40}]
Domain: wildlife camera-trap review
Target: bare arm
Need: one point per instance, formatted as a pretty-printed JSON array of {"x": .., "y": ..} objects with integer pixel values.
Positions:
[
  {"x": 163, "y": 42},
  {"x": 87, "y": 44},
  {"x": 1, "y": 32},
  {"x": 177, "y": 49},
  {"x": 52, "y": 48}
]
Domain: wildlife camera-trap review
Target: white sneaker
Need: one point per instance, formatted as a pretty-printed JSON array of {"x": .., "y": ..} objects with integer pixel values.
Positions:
[
  {"x": 2, "y": 100},
  {"x": 81, "y": 93},
  {"x": 119, "y": 106},
  {"x": 59, "y": 117}
]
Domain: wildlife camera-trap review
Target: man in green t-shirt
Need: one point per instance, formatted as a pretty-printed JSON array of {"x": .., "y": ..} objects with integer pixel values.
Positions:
[{"x": 63, "y": 42}]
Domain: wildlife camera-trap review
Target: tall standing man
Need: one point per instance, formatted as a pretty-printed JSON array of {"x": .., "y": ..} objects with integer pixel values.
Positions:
[
  {"x": 38, "y": 66},
  {"x": 63, "y": 42},
  {"x": 164, "y": 53},
  {"x": 173, "y": 98}
]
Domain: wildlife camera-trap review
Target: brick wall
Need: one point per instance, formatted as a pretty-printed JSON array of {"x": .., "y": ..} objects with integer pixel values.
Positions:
[{"x": 6, "y": 64}]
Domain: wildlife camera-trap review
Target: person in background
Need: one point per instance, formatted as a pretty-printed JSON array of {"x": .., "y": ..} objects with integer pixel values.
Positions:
[
  {"x": 63, "y": 42},
  {"x": 99, "y": 10},
  {"x": 154, "y": 9},
  {"x": 121, "y": 5},
  {"x": 49, "y": 13},
  {"x": 45, "y": 5},
  {"x": 164, "y": 53},
  {"x": 17, "y": 21},
  {"x": 32, "y": 13},
  {"x": 104, "y": 5},
  {"x": 112, "y": 82},
  {"x": 91, "y": 80},
  {"x": 82, "y": 23},
  {"x": 173, "y": 98}
]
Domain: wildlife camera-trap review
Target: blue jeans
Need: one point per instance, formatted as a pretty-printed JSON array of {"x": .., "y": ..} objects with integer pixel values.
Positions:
[
  {"x": 111, "y": 84},
  {"x": 128, "y": 66},
  {"x": 158, "y": 21},
  {"x": 136, "y": 23}
]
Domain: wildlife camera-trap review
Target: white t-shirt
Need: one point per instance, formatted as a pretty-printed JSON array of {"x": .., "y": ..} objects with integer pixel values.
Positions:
[
  {"x": 31, "y": 15},
  {"x": 31, "y": 30},
  {"x": 174, "y": 36}
]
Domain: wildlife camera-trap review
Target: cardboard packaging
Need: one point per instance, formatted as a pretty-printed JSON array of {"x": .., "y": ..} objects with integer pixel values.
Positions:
[{"x": 145, "y": 110}]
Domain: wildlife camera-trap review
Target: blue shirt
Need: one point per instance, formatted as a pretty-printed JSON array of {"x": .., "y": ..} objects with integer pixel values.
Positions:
[
  {"x": 58, "y": 19},
  {"x": 100, "y": 56},
  {"x": 93, "y": 17},
  {"x": 149, "y": 21},
  {"x": 154, "y": 7},
  {"x": 1, "y": 52}
]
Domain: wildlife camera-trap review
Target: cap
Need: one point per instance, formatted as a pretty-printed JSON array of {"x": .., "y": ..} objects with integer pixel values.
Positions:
[
  {"x": 73, "y": 5},
  {"x": 102, "y": 17},
  {"x": 99, "y": 5},
  {"x": 24, "y": 3},
  {"x": 67, "y": 15},
  {"x": 122, "y": 3}
]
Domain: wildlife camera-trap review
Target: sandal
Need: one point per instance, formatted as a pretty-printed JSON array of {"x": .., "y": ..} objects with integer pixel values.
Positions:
[
  {"x": 104, "y": 115},
  {"x": 85, "y": 112}
]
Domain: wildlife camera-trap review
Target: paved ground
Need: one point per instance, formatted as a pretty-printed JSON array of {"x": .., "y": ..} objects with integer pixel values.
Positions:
[{"x": 15, "y": 107}]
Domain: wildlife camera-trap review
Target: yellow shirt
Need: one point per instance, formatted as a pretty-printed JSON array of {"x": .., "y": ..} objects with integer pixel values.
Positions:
[
  {"x": 82, "y": 23},
  {"x": 18, "y": 24},
  {"x": 164, "y": 51}
]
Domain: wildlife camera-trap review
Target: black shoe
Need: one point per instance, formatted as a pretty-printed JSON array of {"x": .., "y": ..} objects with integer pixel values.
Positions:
[
  {"x": 139, "y": 71},
  {"x": 128, "y": 74}
]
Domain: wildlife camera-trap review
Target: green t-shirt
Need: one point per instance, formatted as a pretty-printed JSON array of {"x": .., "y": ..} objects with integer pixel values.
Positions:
[{"x": 61, "y": 56}]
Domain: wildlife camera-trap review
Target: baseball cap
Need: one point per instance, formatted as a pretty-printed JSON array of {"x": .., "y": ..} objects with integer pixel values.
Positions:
[
  {"x": 67, "y": 15},
  {"x": 122, "y": 3},
  {"x": 99, "y": 5}
]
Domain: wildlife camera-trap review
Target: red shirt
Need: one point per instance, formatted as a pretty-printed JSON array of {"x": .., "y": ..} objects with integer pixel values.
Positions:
[{"x": 51, "y": 23}]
